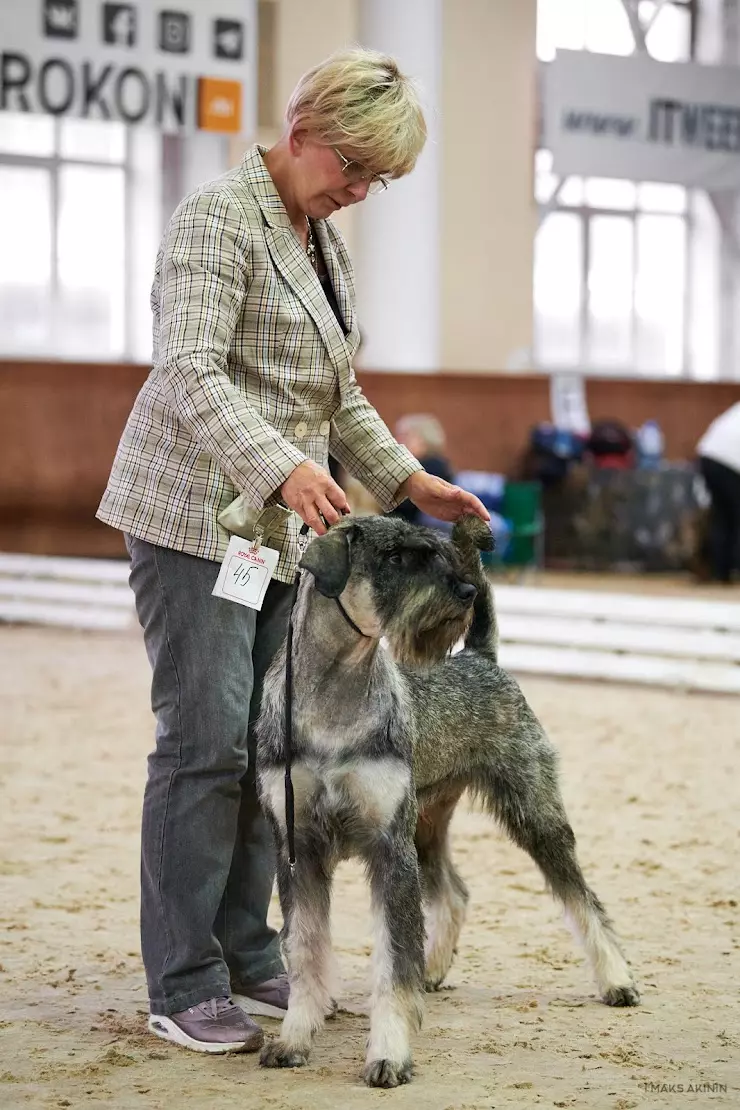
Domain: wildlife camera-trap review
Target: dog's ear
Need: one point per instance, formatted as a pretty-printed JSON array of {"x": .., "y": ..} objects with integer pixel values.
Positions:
[
  {"x": 470, "y": 533},
  {"x": 327, "y": 558}
]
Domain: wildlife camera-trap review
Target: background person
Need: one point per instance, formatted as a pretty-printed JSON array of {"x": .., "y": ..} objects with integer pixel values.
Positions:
[
  {"x": 425, "y": 438},
  {"x": 719, "y": 461}
]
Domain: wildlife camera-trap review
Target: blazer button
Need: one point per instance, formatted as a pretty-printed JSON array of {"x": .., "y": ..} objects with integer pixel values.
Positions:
[
  {"x": 324, "y": 428},
  {"x": 300, "y": 430}
]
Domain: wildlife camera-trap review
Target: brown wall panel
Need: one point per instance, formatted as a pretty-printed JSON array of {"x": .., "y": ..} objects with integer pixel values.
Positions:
[
  {"x": 60, "y": 424},
  {"x": 488, "y": 418}
]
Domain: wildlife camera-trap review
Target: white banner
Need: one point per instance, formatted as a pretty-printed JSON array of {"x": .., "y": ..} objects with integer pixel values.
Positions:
[
  {"x": 636, "y": 118},
  {"x": 177, "y": 67}
]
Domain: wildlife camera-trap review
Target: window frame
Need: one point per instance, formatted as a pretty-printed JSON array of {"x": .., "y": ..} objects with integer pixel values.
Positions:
[
  {"x": 54, "y": 164},
  {"x": 585, "y": 213}
]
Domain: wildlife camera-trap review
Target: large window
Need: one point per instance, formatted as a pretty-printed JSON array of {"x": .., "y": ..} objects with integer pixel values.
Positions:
[
  {"x": 611, "y": 284},
  {"x": 77, "y": 220},
  {"x": 622, "y": 268},
  {"x": 604, "y": 26}
]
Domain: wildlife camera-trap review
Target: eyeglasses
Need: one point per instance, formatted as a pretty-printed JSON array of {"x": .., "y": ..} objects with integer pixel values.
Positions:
[{"x": 355, "y": 172}]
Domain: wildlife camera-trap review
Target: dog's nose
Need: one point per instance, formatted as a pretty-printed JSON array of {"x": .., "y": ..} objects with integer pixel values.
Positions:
[{"x": 466, "y": 591}]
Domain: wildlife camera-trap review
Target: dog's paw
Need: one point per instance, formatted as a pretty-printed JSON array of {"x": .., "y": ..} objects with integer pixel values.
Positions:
[
  {"x": 622, "y": 996},
  {"x": 277, "y": 1054},
  {"x": 331, "y": 1010},
  {"x": 438, "y": 962},
  {"x": 387, "y": 1073}
]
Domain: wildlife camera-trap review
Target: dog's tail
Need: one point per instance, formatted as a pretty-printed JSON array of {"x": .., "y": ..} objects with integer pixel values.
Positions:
[{"x": 470, "y": 536}]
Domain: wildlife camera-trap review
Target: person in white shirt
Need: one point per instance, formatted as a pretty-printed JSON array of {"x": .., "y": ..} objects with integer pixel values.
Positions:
[{"x": 719, "y": 461}]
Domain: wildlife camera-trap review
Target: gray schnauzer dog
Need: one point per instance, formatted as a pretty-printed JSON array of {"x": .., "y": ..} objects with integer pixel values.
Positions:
[{"x": 384, "y": 745}]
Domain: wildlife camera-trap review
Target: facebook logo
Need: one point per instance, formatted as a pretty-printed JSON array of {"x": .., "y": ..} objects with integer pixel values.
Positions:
[
  {"x": 174, "y": 32},
  {"x": 228, "y": 39},
  {"x": 61, "y": 18},
  {"x": 119, "y": 24}
]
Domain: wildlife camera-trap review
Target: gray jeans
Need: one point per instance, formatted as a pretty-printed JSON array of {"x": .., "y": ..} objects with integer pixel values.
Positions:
[{"x": 207, "y": 855}]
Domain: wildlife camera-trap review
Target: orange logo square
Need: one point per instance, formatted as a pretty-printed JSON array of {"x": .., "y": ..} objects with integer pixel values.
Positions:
[{"x": 219, "y": 105}]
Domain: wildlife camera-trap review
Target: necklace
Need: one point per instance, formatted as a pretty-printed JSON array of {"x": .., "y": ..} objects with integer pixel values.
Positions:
[{"x": 310, "y": 244}]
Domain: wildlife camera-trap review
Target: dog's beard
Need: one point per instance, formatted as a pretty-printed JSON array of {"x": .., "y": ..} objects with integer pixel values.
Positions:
[{"x": 418, "y": 645}]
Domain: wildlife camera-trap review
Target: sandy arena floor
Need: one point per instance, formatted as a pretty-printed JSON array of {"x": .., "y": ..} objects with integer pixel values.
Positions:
[{"x": 650, "y": 779}]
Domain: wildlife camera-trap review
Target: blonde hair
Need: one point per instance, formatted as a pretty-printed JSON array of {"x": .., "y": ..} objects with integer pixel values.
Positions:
[
  {"x": 425, "y": 427},
  {"x": 360, "y": 101}
]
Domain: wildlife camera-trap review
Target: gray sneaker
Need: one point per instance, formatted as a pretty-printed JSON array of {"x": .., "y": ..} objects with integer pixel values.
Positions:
[
  {"x": 268, "y": 999},
  {"x": 216, "y": 1025}
]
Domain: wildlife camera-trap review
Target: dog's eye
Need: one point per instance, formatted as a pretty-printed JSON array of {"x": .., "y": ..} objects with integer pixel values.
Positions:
[{"x": 396, "y": 559}]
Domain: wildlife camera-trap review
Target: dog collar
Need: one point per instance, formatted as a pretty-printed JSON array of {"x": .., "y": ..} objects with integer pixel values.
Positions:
[{"x": 350, "y": 622}]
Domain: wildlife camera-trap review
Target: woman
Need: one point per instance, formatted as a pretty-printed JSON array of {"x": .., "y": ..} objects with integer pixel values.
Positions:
[{"x": 251, "y": 387}]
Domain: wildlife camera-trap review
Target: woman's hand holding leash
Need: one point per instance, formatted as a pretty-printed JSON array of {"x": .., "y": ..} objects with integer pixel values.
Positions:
[{"x": 311, "y": 492}]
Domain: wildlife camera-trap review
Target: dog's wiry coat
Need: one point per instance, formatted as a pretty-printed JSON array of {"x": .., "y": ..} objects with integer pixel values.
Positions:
[{"x": 385, "y": 743}]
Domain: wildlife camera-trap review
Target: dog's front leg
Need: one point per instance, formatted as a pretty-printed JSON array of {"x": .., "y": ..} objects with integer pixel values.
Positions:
[
  {"x": 305, "y": 900},
  {"x": 398, "y": 961}
]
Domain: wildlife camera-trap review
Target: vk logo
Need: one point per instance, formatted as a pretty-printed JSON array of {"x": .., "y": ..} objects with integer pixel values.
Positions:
[{"x": 61, "y": 19}]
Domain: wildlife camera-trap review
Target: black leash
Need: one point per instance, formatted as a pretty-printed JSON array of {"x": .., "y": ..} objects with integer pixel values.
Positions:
[{"x": 350, "y": 622}]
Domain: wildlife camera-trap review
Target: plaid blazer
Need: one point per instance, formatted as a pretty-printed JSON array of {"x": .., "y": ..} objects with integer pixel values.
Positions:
[{"x": 252, "y": 374}]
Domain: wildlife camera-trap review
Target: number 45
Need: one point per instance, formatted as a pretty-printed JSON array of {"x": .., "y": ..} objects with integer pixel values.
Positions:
[{"x": 242, "y": 575}]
